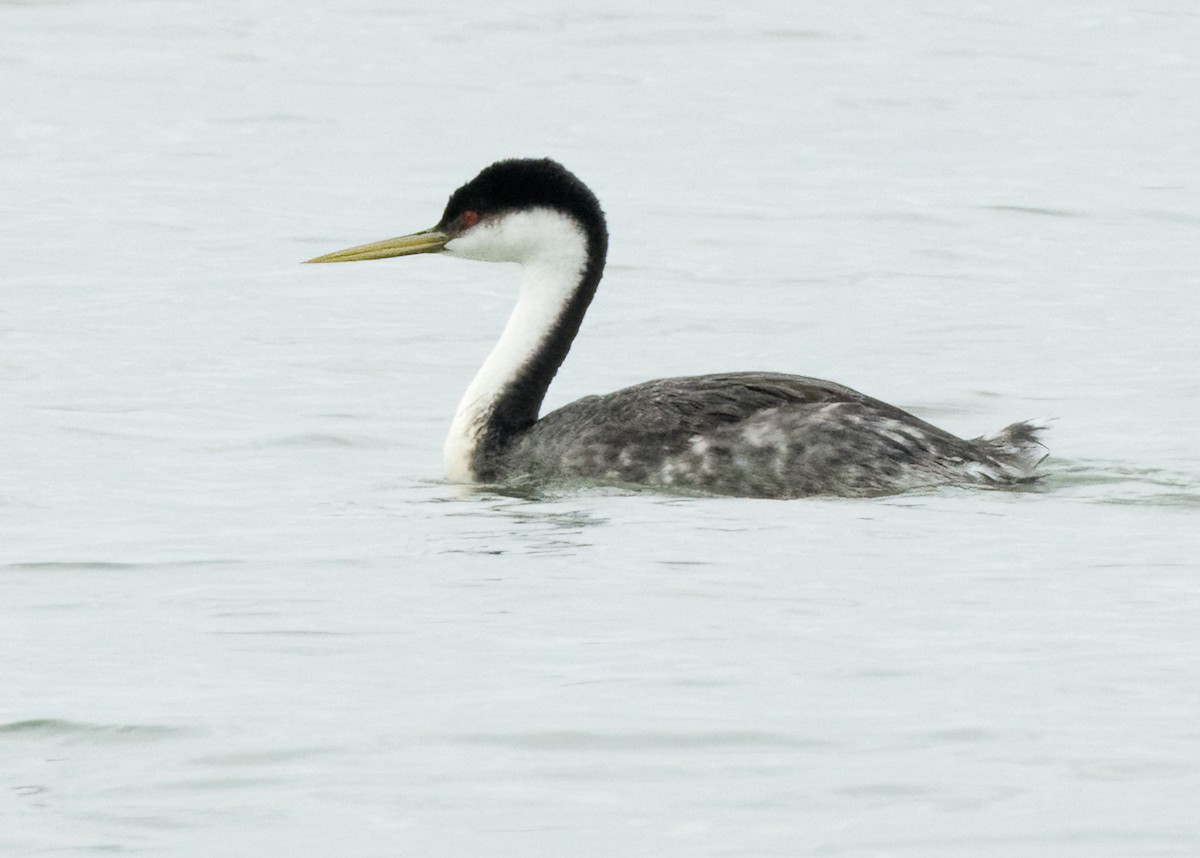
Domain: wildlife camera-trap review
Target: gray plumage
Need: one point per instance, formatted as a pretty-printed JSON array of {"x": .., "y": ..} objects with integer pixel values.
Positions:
[{"x": 760, "y": 434}]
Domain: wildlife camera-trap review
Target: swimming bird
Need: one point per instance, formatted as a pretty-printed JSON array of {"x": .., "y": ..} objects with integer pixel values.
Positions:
[{"x": 757, "y": 434}]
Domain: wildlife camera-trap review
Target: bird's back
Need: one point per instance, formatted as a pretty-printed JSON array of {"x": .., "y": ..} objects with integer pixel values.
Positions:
[{"x": 758, "y": 434}]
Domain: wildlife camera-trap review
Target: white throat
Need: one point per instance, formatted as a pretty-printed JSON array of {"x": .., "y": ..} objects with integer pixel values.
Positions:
[{"x": 552, "y": 249}]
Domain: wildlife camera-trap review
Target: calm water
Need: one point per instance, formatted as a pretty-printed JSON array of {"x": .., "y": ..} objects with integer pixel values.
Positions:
[{"x": 240, "y": 613}]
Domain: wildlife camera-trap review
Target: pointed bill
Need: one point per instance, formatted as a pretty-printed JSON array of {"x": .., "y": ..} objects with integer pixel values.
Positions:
[{"x": 429, "y": 241}]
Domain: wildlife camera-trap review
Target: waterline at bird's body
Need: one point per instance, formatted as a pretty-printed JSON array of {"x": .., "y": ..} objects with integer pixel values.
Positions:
[{"x": 751, "y": 434}]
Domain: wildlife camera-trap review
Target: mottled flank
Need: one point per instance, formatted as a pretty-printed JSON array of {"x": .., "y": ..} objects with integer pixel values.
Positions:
[{"x": 761, "y": 435}]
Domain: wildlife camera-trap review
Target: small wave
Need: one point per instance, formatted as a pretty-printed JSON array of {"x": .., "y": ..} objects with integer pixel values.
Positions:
[
  {"x": 277, "y": 756},
  {"x": 108, "y": 565},
  {"x": 1034, "y": 210},
  {"x": 61, "y": 729},
  {"x": 1121, "y": 483},
  {"x": 288, "y": 633},
  {"x": 310, "y": 441},
  {"x": 571, "y": 740}
]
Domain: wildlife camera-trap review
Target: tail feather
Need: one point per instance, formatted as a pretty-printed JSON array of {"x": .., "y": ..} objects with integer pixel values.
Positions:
[{"x": 1017, "y": 447}]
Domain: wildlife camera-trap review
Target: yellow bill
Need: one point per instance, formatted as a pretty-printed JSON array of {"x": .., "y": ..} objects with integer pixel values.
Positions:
[{"x": 429, "y": 241}]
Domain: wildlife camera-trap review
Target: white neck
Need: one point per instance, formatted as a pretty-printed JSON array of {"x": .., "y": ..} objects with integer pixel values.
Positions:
[{"x": 553, "y": 252}]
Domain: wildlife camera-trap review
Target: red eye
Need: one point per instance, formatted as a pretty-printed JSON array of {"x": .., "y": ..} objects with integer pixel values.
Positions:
[{"x": 468, "y": 219}]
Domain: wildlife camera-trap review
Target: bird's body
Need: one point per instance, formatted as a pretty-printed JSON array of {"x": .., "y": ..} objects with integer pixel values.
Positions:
[
  {"x": 750, "y": 434},
  {"x": 759, "y": 434}
]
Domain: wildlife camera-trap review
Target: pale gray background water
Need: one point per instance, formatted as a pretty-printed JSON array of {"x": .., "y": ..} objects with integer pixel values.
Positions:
[{"x": 239, "y": 613}]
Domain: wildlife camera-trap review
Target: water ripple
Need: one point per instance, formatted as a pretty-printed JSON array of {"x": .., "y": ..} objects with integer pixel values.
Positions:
[
  {"x": 576, "y": 740},
  {"x": 60, "y": 729}
]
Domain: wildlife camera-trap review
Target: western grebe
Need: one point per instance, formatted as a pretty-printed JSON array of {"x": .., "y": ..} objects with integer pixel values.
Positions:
[{"x": 748, "y": 433}]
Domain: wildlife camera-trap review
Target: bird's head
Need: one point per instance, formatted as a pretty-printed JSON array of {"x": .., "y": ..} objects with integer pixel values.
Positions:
[{"x": 517, "y": 210}]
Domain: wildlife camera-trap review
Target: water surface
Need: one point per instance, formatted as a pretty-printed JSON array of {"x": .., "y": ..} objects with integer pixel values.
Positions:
[{"x": 243, "y": 614}]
